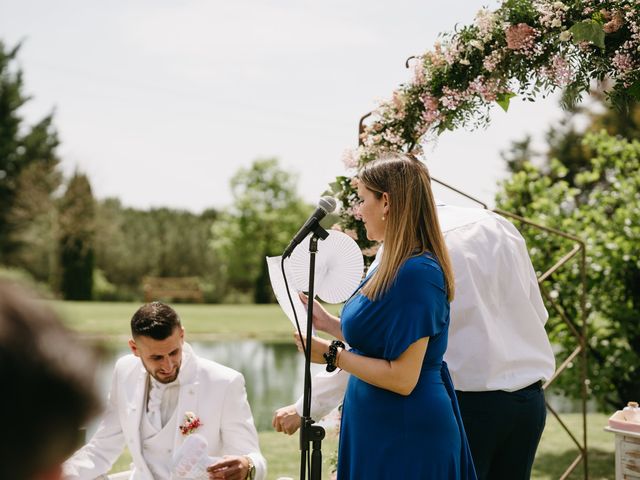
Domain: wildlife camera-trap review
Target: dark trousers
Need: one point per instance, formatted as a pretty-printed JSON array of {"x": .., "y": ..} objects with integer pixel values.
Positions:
[{"x": 504, "y": 430}]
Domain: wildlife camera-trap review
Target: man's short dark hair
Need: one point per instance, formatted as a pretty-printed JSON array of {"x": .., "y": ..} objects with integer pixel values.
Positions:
[
  {"x": 156, "y": 320},
  {"x": 48, "y": 386}
]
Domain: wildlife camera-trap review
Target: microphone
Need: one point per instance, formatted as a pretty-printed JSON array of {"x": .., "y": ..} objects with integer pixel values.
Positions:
[{"x": 325, "y": 205}]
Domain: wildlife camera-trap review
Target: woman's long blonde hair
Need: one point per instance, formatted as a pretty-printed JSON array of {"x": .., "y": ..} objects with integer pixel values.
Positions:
[{"x": 412, "y": 225}]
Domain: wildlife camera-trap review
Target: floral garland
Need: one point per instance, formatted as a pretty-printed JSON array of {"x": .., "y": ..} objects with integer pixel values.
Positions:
[{"x": 524, "y": 48}]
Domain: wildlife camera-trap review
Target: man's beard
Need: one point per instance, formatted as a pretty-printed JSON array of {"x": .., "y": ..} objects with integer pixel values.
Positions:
[{"x": 164, "y": 380}]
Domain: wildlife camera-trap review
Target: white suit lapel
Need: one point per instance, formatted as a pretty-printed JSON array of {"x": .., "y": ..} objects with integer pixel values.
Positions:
[
  {"x": 188, "y": 396},
  {"x": 135, "y": 408}
]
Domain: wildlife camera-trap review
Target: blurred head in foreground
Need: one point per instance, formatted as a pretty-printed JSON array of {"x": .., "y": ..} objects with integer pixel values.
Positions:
[{"x": 48, "y": 388}]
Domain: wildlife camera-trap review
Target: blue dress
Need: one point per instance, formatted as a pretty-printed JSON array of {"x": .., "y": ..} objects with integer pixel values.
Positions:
[{"x": 385, "y": 435}]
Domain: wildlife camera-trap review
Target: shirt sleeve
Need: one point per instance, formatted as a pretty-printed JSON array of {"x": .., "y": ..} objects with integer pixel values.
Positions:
[{"x": 419, "y": 305}]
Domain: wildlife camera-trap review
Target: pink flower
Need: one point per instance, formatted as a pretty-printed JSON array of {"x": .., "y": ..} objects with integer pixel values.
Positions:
[
  {"x": 418, "y": 72},
  {"x": 352, "y": 233},
  {"x": 560, "y": 71},
  {"x": 356, "y": 211},
  {"x": 488, "y": 89},
  {"x": 615, "y": 24},
  {"x": 353, "y": 211},
  {"x": 350, "y": 158},
  {"x": 485, "y": 21},
  {"x": 452, "y": 99},
  {"x": 492, "y": 60},
  {"x": 623, "y": 62},
  {"x": 393, "y": 137},
  {"x": 371, "y": 251},
  {"x": 520, "y": 37},
  {"x": 431, "y": 111},
  {"x": 436, "y": 58},
  {"x": 399, "y": 103}
]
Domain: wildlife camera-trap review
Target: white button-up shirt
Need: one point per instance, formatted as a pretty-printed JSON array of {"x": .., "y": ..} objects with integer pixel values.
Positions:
[{"x": 497, "y": 339}]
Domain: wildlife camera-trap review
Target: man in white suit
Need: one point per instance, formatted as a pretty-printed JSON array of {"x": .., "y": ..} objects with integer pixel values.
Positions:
[{"x": 152, "y": 392}]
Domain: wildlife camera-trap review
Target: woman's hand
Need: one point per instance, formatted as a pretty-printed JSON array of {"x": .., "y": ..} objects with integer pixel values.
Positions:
[
  {"x": 319, "y": 346},
  {"x": 323, "y": 320}
]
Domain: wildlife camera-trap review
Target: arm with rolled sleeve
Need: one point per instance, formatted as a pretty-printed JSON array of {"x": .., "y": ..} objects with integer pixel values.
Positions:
[
  {"x": 239, "y": 435},
  {"x": 97, "y": 457},
  {"x": 326, "y": 394}
]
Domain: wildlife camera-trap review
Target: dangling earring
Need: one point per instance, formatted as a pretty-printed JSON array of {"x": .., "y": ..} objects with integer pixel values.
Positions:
[{"x": 383, "y": 217}]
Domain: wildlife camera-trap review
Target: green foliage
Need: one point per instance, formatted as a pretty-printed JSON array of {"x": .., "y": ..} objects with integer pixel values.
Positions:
[
  {"x": 161, "y": 242},
  {"x": 265, "y": 215},
  {"x": 601, "y": 204},
  {"x": 28, "y": 178},
  {"x": 588, "y": 31},
  {"x": 76, "y": 223},
  {"x": 24, "y": 278}
]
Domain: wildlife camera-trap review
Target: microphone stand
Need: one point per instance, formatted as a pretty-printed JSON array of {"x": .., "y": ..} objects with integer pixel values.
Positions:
[{"x": 310, "y": 433}]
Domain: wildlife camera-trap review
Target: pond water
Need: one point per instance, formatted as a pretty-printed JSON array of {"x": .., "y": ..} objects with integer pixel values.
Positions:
[{"x": 273, "y": 374}]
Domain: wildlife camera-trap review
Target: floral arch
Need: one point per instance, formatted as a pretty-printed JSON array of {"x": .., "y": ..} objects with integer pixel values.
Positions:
[{"x": 525, "y": 48}]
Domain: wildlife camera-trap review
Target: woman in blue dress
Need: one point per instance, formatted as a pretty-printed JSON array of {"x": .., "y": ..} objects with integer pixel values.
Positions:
[{"x": 400, "y": 417}]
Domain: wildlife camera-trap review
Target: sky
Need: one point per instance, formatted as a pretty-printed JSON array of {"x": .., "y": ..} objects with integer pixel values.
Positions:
[{"x": 160, "y": 102}]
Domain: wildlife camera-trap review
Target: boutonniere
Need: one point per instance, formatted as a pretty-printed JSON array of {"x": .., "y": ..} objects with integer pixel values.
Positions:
[{"x": 190, "y": 424}]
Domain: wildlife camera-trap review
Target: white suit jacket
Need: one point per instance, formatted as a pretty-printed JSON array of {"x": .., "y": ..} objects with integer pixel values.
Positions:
[{"x": 215, "y": 393}]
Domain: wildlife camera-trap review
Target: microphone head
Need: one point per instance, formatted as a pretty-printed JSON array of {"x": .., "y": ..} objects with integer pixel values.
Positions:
[{"x": 328, "y": 204}]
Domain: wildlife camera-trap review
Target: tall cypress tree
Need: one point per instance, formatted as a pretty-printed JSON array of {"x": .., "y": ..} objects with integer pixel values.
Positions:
[{"x": 76, "y": 241}]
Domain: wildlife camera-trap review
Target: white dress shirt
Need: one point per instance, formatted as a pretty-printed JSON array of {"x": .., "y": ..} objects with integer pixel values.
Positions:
[
  {"x": 497, "y": 339},
  {"x": 162, "y": 399}
]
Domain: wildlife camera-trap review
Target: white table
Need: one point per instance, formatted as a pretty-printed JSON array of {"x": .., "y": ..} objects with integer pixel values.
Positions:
[{"x": 627, "y": 454}]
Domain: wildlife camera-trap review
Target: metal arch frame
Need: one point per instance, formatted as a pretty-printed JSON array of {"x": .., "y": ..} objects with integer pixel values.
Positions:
[{"x": 578, "y": 330}]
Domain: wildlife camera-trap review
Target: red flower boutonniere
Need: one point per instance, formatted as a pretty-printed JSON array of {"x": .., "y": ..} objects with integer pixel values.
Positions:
[{"x": 191, "y": 423}]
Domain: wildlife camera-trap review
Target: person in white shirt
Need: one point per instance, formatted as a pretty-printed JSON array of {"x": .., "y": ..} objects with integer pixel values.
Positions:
[
  {"x": 498, "y": 354},
  {"x": 162, "y": 393}
]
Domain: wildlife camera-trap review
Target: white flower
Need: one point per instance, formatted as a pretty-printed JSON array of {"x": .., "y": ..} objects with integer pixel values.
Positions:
[
  {"x": 464, "y": 61},
  {"x": 556, "y": 23},
  {"x": 565, "y": 36},
  {"x": 477, "y": 44}
]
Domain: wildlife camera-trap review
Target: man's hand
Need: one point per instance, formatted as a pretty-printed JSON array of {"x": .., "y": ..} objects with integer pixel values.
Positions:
[
  {"x": 231, "y": 467},
  {"x": 286, "y": 420}
]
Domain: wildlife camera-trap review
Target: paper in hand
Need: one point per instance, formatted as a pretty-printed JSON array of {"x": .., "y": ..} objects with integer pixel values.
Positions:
[
  {"x": 280, "y": 291},
  {"x": 191, "y": 459}
]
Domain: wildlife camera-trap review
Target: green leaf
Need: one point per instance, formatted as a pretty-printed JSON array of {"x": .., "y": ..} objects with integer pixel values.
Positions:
[
  {"x": 504, "y": 99},
  {"x": 588, "y": 31},
  {"x": 634, "y": 90}
]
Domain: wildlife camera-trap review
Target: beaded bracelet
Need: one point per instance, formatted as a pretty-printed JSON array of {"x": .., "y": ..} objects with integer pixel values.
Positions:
[{"x": 330, "y": 356}]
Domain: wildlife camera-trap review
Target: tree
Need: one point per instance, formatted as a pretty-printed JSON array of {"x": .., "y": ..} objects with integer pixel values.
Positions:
[
  {"x": 32, "y": 218},
  {"x": 265, "y": 215},
  {"x": 76, "y": 241},
  {"x": 132, "y": 243},
  {"x": 22, "y": 146},
  {"x": 600, "y": 202}
]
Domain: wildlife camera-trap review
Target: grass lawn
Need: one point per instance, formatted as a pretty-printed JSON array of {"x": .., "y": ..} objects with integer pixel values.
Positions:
[
  {"x": 111, "y": 320},
  {"x": 557, "y": 450},
  {"x": 555, "y": 454}
]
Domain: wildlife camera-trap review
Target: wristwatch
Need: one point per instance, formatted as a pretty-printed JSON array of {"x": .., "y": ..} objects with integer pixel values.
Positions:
[{"x": 251, "y": 474}]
